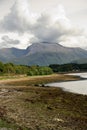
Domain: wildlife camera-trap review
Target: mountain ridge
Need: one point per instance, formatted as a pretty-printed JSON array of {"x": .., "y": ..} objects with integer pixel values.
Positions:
[{"x": 42, "y": 54}]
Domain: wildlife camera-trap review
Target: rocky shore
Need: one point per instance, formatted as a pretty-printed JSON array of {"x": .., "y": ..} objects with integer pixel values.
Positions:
[{"x": 26, "y": 106}]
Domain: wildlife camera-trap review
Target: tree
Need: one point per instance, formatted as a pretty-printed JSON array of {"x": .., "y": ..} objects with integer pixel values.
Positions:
[
  {"x": 1, "y": 67},
  {"x": 9, "y": 68}
]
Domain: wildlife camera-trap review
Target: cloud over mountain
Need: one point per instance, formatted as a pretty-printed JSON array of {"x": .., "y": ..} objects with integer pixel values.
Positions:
[{"x": 42, "y": 27}]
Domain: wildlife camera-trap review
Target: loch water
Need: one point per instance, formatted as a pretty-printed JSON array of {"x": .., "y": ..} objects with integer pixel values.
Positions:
[{"x": 79, "y": 87}]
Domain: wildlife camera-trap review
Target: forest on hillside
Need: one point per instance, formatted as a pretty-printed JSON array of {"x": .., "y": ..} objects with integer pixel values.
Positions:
[{"x": 71, "y": 67}]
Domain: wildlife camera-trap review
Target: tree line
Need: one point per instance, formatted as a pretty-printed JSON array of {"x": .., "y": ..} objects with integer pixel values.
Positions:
[
  {"x": 10, "y": 68},
  {"x": 71, "y": 67}
]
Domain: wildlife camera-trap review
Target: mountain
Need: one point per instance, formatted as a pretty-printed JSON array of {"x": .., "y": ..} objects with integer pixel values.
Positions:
[
  {"x": 42, "y": 54},
  {"x": 8, "y": 54},
  {"x": 80, "y": 61}
]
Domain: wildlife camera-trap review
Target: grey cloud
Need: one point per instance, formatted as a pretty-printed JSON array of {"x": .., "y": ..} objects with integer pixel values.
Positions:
[
  {"x": 48, "y": 34},
  {"x": 7, "y": 42},
  {"x": 10, "y": 24},
  {"x": 2, "y": 1},
  {"x": 44, "y": 28}
]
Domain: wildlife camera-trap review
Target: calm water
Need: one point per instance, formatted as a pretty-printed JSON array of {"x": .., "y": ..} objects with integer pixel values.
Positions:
[{"x": 79, "y": 87}]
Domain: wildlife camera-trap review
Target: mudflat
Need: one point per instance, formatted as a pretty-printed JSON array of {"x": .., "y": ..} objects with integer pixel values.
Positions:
[{"x": 26, "y": 104}]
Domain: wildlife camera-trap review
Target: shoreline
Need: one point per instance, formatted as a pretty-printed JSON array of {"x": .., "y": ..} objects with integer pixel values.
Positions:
[
  {"x": 66, "y": 88},
  {"x": 43, "y": 108}
]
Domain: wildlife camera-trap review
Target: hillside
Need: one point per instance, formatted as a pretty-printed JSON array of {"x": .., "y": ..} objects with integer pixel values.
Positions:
[
  {"x": 42, "y": 54},
  {"x": 81, "y": 61}
]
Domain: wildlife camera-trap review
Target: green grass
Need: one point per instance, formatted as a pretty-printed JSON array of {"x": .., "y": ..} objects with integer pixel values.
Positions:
[{"x": 7, "y": 125}]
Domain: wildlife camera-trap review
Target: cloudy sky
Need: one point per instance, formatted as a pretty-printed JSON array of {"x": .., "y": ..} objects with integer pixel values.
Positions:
[{"x": 23, "y": 22}]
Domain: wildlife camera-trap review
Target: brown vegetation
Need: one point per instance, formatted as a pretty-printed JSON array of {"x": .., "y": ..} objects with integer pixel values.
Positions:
[{"x": 42, "y": 108}]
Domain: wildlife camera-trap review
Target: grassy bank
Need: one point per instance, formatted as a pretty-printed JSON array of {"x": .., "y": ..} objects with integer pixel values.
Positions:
[
  {"x": 37, "y": 80},
  {"x": 38, "y": 108}
]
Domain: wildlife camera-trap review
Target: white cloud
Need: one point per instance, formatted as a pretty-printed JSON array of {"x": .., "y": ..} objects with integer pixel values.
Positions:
[
  {"x": 74, "y": 40},
  {"x": 19, "y": 19},
  {"x": 44, "y": 27},
  {"x": 58, "y": 29}
]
